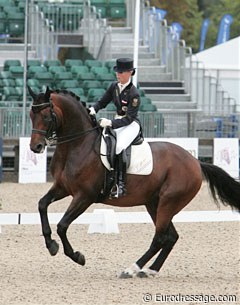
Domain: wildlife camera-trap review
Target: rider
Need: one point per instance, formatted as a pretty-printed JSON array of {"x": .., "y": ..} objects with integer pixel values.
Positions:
[{"x": 126, "y": 124}]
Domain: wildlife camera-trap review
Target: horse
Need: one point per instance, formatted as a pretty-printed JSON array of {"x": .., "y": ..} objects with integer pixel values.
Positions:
[{"x": 59, "y": 117}]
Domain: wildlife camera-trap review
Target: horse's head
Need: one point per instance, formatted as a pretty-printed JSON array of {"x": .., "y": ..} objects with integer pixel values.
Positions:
[{"x": 43, "y": 120}]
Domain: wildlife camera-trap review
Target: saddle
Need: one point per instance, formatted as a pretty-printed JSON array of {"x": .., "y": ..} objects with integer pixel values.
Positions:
[
  {"x": 137, "y": 156},
  {"x": 111, "y": 141}
]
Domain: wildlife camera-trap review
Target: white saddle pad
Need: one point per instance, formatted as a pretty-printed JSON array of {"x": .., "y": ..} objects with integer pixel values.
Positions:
[{"x": 141, "y": 162}]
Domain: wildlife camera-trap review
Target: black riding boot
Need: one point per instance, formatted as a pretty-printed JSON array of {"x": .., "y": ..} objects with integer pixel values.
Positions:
[
  {"x": 122, "y": 176},
  {"x": 121, "y": 168}
]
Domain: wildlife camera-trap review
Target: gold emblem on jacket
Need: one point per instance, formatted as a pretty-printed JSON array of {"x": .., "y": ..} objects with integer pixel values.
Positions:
[{"x": 135, "y": 102}]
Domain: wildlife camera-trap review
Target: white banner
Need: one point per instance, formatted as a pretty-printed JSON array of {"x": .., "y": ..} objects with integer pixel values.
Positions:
[
  {"x": 32, "y": 167},
  {"x": 189, "y": 144},
  {"x": 226, "y": 155}
]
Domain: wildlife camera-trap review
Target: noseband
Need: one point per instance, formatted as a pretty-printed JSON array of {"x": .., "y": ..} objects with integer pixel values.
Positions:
[{"x": 51, "y": 133}]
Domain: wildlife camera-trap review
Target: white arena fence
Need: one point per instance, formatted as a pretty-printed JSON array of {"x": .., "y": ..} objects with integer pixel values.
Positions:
[{"x": 107, "y": 220}]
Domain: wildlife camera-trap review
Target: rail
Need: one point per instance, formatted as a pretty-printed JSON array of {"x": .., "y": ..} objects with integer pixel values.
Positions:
[{"x": 163, "y": 123}]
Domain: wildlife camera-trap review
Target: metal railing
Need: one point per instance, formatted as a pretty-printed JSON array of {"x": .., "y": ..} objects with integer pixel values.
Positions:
[
  {"x": 215, "y": 107},
  {"x": 168, "y": 123},
  {"x": 49, "y": 20}
]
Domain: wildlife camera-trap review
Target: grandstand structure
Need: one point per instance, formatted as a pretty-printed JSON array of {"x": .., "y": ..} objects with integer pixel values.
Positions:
[{"x": 179, "y": 98}]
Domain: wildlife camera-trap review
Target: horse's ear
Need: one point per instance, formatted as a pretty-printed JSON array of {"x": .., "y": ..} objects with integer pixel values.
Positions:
[
  {"x": 33, "y": 95},
  {"x": 47, "y": 93}
]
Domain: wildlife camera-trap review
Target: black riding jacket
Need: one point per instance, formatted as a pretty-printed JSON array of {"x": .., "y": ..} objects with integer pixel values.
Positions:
[{"x": 127, "y": 104}]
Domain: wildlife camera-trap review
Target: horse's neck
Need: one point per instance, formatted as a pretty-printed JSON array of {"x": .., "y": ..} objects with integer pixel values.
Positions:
[{"x": 73, "y": 119}]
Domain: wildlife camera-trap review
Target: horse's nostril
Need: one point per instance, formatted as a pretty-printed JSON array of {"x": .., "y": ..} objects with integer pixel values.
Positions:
[{"x": 39, "y": 147}]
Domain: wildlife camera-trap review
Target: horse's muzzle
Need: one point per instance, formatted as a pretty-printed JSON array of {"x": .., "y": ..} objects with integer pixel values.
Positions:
[{"x": 37, "y": 148}]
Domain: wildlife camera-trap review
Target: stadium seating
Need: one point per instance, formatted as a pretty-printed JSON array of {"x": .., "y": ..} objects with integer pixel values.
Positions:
[
  {"x": 11, "y": 62},
  {"x": 15, "y": 24},
  {"x": 33, "y": 62},
  {"x": 101, "y": 7},
  {"x": 94, "y": 94},
  {"x": 99, "y": 70},
  {"x": 10, "y": 94},
  {"x": 6, "y": 74},
  {"x": 69, "y": 63},
  {"x": 106, "y": 77},
  {"x": 17, "y": 71},
  {"x": 80, "y": 92},
  {"x": 88, "y": 84},
  {"x": 60, "y": 76},
  {"x": 8, "y": 82},
  {"x": 45, "y": 79},
  {"x": 117, "y": 9},
  {"x": 57, "y": 69},
  {"x": 110, "y": 64},
  {"x": 51, "y": 62},
  {"x": 19, "y": 82},
  {"x": 89, "y": 80},
  {"x": 32, "y": 82},
  {"x": 81, "y": 77},
  {"x": 32, "y": 70},
  {"x": 68, "y": 84},
  {"x": 78, "y": 69},
  {"x": 93, "y": 63},
  {"x": 3, "y": 23}
]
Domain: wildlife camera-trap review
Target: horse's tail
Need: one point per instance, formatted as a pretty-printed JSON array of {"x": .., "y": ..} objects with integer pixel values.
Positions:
[{"x": 223, "y": 187}]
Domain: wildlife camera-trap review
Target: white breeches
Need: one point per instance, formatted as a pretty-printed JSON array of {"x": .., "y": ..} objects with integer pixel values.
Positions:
[{"x": 125, "y": 136}]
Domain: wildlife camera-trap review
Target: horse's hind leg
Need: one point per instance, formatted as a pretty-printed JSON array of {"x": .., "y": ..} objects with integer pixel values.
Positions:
[
  {"x": 164, "y": 241},
  {"x": 52, "y": 195}
]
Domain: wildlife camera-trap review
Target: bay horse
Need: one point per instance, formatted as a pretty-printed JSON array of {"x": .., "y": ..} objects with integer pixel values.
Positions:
[{"x": 78, "y": 171}]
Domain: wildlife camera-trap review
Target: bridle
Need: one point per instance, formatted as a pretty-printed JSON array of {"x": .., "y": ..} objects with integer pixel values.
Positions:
[{"x": 51, "y": 133}]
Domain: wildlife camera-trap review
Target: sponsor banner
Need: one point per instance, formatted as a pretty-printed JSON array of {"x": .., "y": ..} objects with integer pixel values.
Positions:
[
  {"x": 226, "y": 155},
  {"x": 177, "y": 29},
  {"x": 32, "y": 167},
  {"x": 189, "y": 144},
  {"x": 224, "y": 28},
  {"x": 204, "y": 30}
]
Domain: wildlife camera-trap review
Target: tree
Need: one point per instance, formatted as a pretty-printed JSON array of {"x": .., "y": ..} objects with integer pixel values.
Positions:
[
  {"x": 215, "y": 11},
  {"x": 185, "y": 12},
  {"x": 191, "y": 13}
]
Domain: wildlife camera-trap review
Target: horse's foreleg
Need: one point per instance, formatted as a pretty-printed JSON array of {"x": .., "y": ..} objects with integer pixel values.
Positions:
[
  {"x": 43, "y": 204},
  {"x": 75, "y": 209}
]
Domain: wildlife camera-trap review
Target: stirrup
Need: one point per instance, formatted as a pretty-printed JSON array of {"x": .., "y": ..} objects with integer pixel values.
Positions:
[
  {"x": 117, "y": 191},
  {"x": 114, "y": 192}
]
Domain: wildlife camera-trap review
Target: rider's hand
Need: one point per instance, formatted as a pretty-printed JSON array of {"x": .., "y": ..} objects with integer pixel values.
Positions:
[
  {"x": 105, "y": 122},
  {"x": 92, "y": 111}
]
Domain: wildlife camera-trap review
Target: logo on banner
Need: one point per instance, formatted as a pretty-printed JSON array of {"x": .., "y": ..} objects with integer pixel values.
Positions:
[
  {"x": 226, "y": 155},
  {"x": 32, "y": 167},
  {"x": 224, "y": 29}
]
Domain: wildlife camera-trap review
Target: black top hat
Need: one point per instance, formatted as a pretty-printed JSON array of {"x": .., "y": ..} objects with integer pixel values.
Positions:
[{"x": 123, "y": 65}]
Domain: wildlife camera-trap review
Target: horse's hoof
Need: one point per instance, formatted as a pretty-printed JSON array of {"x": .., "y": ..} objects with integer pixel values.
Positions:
[
  {"x": 79, "y": 258},
  {"x": 130, "y": 272},
  {"x": 54, "y": 247},
  {"x": 142, "y": 274},
  {"x": 125, "y": 275},
  {"x": 146, "y": 272}
]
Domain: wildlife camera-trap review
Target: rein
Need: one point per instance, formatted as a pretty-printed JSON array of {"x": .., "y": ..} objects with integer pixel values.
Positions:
[{"x": 50, "y": 134}]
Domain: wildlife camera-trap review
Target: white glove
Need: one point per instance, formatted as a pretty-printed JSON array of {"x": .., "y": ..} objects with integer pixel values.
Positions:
[
  {"x": 92, "y": 111},
  {"x": 105, "y": 122}
]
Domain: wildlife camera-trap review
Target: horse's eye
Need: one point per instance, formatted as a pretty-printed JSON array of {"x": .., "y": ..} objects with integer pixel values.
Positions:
[{"x": 45, "y": 117}]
